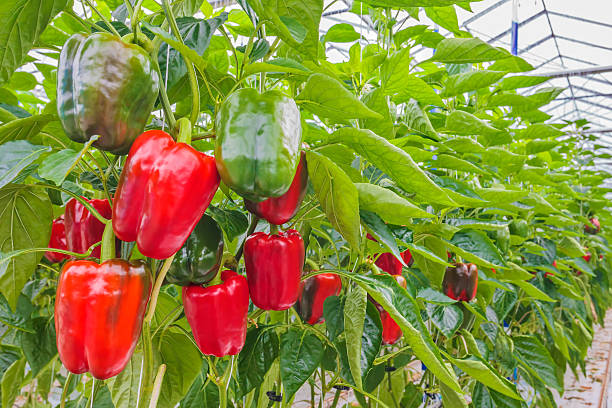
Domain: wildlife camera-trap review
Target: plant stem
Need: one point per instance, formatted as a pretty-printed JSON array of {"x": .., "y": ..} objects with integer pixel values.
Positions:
[
  {"x": 193, "y": 80},
  {"x": 159, "y": 379},
  {"x": 252, "y": 227},
  {"x": 156, "y": 288},
  {"x": 108, "y": 243},
  {"x": 336, "y": 399},
  {"x": 164, "y": 97},
  {"x": 65, "y": 390},
  {"x": 108, "y": 24}
]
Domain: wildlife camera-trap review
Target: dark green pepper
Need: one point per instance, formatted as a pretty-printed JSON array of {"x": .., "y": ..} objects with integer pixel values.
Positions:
[
  {"x": 105, "y": 87},
  {"x": 199, "y": 259},
  {"x": 258, "y": 143},
  {"x": 519, "y": 227}
]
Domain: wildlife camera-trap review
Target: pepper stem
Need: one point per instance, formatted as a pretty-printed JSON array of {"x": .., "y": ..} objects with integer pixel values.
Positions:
[
  {"x": 217, "y": 279},
  {"x": 108, "y": 243},
  {"x": 184, "y": 131},
  {"x": 159, "y": 378},
  {"x": 273, "y": 229}
]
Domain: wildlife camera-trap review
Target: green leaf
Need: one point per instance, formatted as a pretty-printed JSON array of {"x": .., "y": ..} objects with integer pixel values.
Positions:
[
  {"x": 24, "y": 128},
  {"x": 326, "y": 97},
  {"x": 475, "y": 246},
  {"x": 377, "y": 227},
  {"x": 232, "y": 222},
  {"x": 481, "y": 371},
  {"x": 124, "y": 386},
  {"x": 447, "y": 161},
  {"x": 333, "y": 312},
  {"x": 25, "y": 222},
  {"x": 22, "y": 81},
  {"x": 354, "y": 316},
  {"x": 393, "y": 161},
  {"x": 532, "y": 355},
  {"x": 392, "y": 208},
  {"x": 447, "y": 318},
  {"x": 445, "y": 17},
  {"x": 464, "y": 145},
  {"x": 521, "y": 81},
  {"x": 337, "y": 195},
  {"x": 301, "y": 352},
  {"x": 377, "y": 101},
  {"x": 462, "y": 50},
  {"x": 57, "y": 166},
  {"x": 539, "y": 131},
  {"x": 533, "y": 292},
  {"x": 15, "y": 157},
  {"x": 11, "y": 382},
  {"x": 260, "y": 350},
  {"x": 431, "y": 295},
  {"x": 39, "y": 345},
  {"x": 417, "y": 120},
  {"x": 183, "y": 362},
  {"x": 21, "y": 24},
  {"x": 296, "y": 22},
  {"x": 470, "y": 81},
  {"x": 464, "y": 123},
  {"x": 511, "y": 64},
  {"x": 341, "y": 33}
]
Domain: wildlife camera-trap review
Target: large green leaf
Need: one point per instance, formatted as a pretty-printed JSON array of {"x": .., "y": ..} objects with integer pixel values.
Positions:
[
  {"x": 462, "y": 50},
  {"x": 21, "y": 24},
  {"x": 39, "y": 345},
  {"x": 464, "y": 123},
  {"x": 11, "y": 382},
  {"x": 377, "y": 101},
  {"x": 296, "y": 22},
  {"x": 393, "y": 161},
  {"x": 475, "y": 246},
  {"x": 417, "y": 120},
  {"x": 391, "y": 207},
  {"x": 483, "y": 372},
  {"x": 326, "y": 97},
  {"x": 124, "y": 386},
  {"x": 354, "y": 317},
  {"x": 15, "y": 157},
  {"x": 25, "y": 222},
  {"x": 532, "y": 355},
  {"x": 470, "y": 81},
  {"x": 260, "y": 350},
  {"x": 337, "y": 195},
  {"x": 301, "y": 352},
  {"x": 24, "y": 128}
]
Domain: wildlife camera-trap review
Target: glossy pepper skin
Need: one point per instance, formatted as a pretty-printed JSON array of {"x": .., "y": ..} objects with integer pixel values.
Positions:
[
  {"x": 217, "y": 314},
  {"x": 389, "y": 263},
  {"x": 198, "y": 260},
  {"x": 163, "y": 191},
  {"x": 105, "y": 87},
  {"x": 82, "y": 228},
  {"x": 274, "y": 266},
  {"x": 279, "y": 210},
  {"x": 99, "y": 309},
  {"x": 313, "y": 293},
  {"x": 258, "y": 143},
  {"x": 57, "y": 240},
  {"x": 461, "y": 282},
  {"x": 594, "y": 227}
]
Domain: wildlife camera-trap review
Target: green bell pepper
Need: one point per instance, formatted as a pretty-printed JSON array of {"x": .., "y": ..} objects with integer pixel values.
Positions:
[
  {"x": 199, "y": 259},
  {"x": 105, "y": 87},
  {"x": 258, "y": 143},
  {"x": 519, "y": 227}
]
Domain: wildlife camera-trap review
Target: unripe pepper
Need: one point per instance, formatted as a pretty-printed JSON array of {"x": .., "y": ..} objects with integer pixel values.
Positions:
[
  {"x": 83, "y": 229},
  {"x": 279, "y": 210},
  {"x": 99, "y": 311},
  {"x": 164, "y": 189},
  {"x": 58, "y": 241},
  {"x": 105, "y": 87},
  {"x": 519, "y": 227},
  {"x": 274, "y": 266},
  {"x": 461, "y": 282},
  {"x": 199, "y": 259},
  {"x": 313, "y": 293},
  {"x": 217, "y": 314},
  {"x": 258, "y": 143}
]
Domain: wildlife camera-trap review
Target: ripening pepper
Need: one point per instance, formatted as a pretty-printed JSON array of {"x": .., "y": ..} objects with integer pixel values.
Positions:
[
  {"x": 57, "y": 240},
  {"x": 99, "y": 309},
  {"x": 313, "y": 293},
  {"x": 164, "y": 189},
  {"x": 461, "y": 282},
  {"x": 279, "y": 210},
  {"x": 217, "y": 314},
  {"x": 199, "y": 259},
  {"x": 82, "y": 228},
  {"x": 519, "y": 228},
  {"x": 594, "y": 227},
  {"x": 274, "y": 266},
  {"x": 258, "y": 143},
  {"x": 105, "y": 87}
]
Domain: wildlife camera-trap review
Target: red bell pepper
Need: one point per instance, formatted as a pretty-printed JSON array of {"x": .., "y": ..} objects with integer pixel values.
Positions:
[
  {"x": 313, "y": 293},
  {"x": 461, "y": 282},
  {"x": 274, "y": 266},
  {"x": 391, "y": 330},
  {"x": 389, "y": 263},
  {"x": 164, "y": 189},
  {"x": 82, "y": 228},
  {"x": 217, "y": 314},
  {"x": 594, "y": 226},
  {"x": 587, "y": 257},
  {"x": 99, "y": 311},
  {"x": 57, "y": 240},
  {"x": 279, "y": 210}
]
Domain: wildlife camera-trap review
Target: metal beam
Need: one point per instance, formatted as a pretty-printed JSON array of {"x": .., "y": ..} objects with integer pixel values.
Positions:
[
  {"x": 522, "y": 23},
  {"x": 484, "y": 12},
  {"x": 603, "y": 47},
  {"x": 576, "y": 72},
  {"x": 535, "y": 44},
  {"x": 597, "y": 95},
  {"x": 584, "y": 20}
]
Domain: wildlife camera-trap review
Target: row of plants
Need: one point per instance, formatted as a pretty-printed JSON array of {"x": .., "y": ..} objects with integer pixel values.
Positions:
[{"x": 199, "y": 207}]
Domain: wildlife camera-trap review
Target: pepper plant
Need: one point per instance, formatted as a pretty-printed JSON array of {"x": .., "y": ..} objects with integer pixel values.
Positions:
[{"x": 201, "y": 207}]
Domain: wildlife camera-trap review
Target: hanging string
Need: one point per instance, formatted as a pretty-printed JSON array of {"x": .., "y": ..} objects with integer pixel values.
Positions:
[{"x": 165, "y": 84}]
